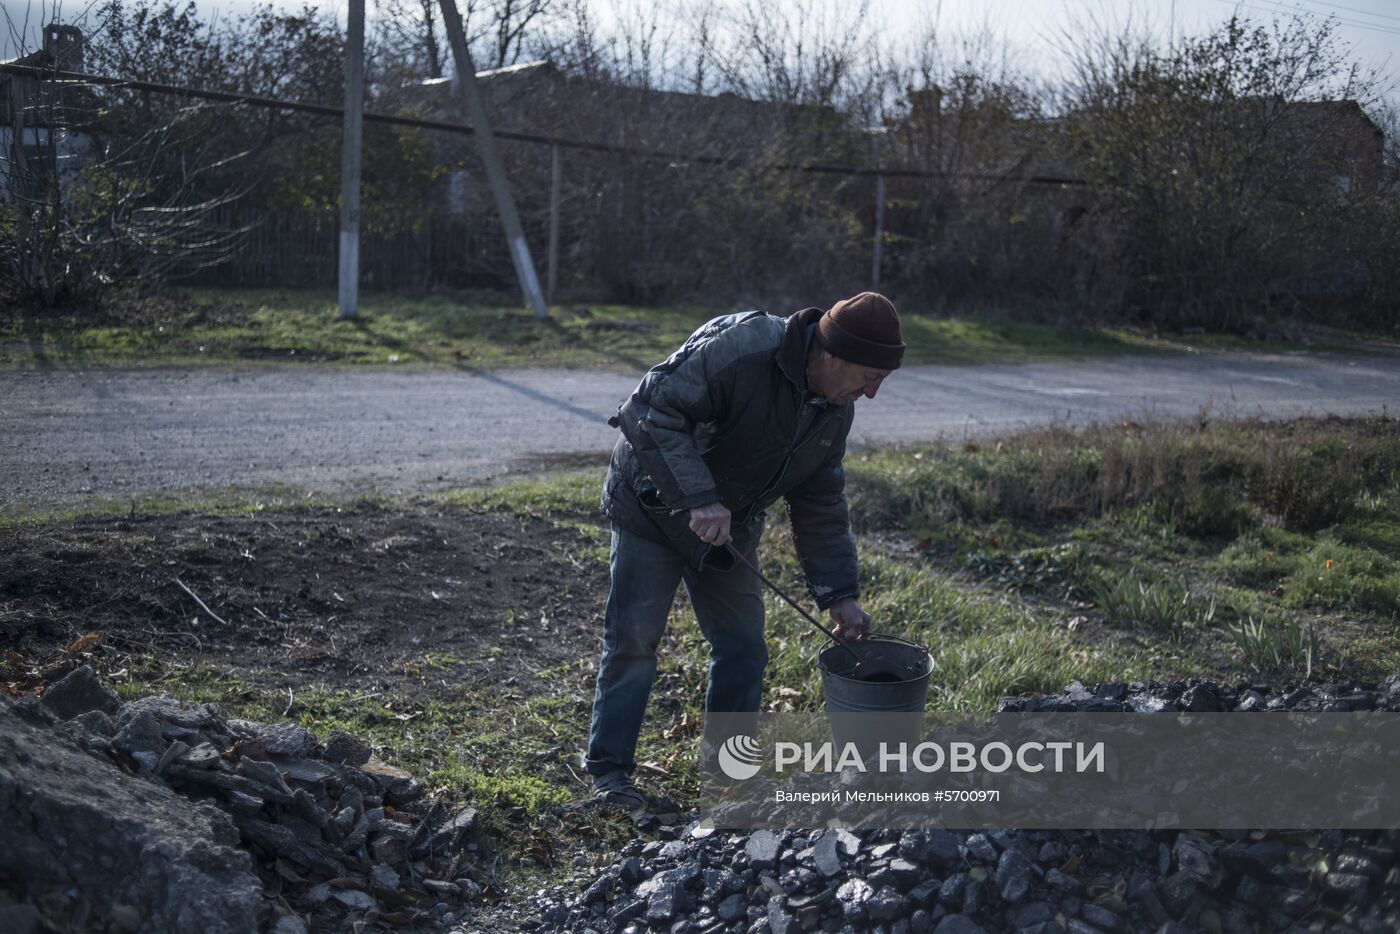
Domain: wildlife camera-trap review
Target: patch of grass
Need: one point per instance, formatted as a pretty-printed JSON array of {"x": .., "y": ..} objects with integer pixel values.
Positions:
[
  {"x": 1325, "y": 572},
  {"x": 1379, "y": 532},
  {"x": 1333, "y": 575},
  {"x": 1296, "y": 522},
  {"x": 1273, "y": 647},
  {"x": 433, "y": 661},
  {"x": 1207, "y": 479},
  {"x": 1252, "y": 559},
  {"x": 528, "y": 792},
  {"x": 1047, "y": 569},
  {"x": 564, "y": 494},
  {"x": 961, "y": 341},
  {"x": 1322, "y": 340},
  {"x": 266, "y": 498},
  {"x": 468, "y": 330},
  {"x": 1157, "y": 606},
  {"x": 195, "y": 683},
  {"x": 556, "y": 494}
]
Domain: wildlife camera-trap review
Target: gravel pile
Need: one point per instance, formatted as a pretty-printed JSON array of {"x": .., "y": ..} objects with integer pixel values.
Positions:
[
  {"x": 696, "y": 880},
  {"x": 342, "y": 837}
]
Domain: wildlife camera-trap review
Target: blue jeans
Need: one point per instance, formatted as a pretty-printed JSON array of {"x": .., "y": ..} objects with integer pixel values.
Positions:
[{"x": 729, "y": 608}]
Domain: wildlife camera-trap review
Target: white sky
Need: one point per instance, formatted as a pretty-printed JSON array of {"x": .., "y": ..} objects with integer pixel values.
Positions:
[{"x": 1371, "y": 28}]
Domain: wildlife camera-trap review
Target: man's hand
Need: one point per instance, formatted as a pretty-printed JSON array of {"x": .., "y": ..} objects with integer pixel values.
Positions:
[
  {"x": 711, "y": 523},
  {"x": 852, "y": 623}
]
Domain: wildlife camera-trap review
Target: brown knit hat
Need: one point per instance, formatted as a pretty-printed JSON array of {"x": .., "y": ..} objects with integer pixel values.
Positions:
[{"x": 863, "y": 329}]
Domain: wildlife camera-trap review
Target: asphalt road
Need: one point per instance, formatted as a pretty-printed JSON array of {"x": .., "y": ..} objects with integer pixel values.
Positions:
[{"x": 70, "y": 434}]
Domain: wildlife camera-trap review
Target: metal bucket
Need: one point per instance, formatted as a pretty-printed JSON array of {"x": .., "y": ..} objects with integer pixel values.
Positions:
[
  {"x": 849, "y": 700},
  {"x": 847, "y": 694}
]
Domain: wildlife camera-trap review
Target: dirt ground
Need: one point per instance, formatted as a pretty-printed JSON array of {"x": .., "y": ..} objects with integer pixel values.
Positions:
[
  {"x": 356, "y": 597},
  {"x": 420, "y": 601}
]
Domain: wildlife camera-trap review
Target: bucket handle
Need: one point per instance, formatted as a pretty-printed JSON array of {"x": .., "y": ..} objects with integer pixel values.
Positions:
[
  {"x": 891, "y": 637},
  {"x": 793, "y": 603}
]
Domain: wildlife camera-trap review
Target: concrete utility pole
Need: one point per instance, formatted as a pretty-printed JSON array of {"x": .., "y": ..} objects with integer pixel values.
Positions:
[
  {"x": 879, "y": 232},
  {"x": 351, "y": 138},
  {"x": 495, "y": 170}
]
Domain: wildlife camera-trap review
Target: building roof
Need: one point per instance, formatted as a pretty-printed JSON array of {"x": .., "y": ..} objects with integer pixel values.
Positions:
[{"x": 543, "y": 98}]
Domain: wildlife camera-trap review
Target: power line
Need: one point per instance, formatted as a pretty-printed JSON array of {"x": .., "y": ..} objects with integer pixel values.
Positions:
[
  {"x": 1352, "y": 9},
  {"x": 1279, "y": 7},
  {"x": 1285, "y": 8},
  {"x": 658, "y": 155}
]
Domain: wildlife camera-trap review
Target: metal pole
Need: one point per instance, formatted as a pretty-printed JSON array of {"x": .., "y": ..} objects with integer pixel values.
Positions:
[
  {"x": 351, "y": 138},
  {"x": 555, "y": 183},
  {"x": 495, "y": 170},
  {"x": 879, "y": 231}
]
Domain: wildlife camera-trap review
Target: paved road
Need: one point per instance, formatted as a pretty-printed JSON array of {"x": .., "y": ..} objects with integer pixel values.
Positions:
[{"x": 68, "y": 434}]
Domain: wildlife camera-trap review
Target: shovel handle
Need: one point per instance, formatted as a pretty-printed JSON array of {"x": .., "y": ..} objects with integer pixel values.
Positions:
[{"x": 793, "y": 603}]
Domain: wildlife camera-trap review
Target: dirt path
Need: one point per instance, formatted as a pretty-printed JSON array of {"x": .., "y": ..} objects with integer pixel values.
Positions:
[{"x": 70, "y": 434}]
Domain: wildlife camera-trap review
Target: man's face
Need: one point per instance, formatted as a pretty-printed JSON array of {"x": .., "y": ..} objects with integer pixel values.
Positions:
[{"x": 844, "y": 382}]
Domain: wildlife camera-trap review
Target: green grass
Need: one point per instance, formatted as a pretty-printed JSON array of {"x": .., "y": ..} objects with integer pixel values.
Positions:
[
  {"x": 565, "y": 492},
  {"x": 269, "y": 498},
  {"x": 1322, "y": 340},
  {"x": 568, "y": 493},
  {"x": 226, "y": 325},
  {"x": 955, "y": 341},
  {"x": 1163, "y": 537}
]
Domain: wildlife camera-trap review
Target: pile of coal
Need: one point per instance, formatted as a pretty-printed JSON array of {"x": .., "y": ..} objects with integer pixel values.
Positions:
[
  {"x": 700, "y": 880},
  {"x": 337, "y": 837}
]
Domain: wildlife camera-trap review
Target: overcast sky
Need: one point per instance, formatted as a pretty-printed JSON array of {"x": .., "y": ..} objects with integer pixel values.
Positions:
[{"x": 1370, "y": 27}]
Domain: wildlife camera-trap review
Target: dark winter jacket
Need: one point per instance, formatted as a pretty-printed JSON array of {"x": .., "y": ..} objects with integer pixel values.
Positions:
[{"x": 717, "y": 421}]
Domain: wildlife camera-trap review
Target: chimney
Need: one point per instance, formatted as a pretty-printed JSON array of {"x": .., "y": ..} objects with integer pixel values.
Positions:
[
  {"x": 926, "y": 103},
  {"x": 64, "y": 47}
]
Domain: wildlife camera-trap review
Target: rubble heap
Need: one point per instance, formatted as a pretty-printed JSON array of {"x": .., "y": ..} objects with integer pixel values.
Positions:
[
  {"x": 339, "y": 836},
  {"x": 697, "y": 880}
]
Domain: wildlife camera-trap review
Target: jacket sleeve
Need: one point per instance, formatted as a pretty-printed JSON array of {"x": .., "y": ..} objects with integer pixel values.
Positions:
[
  {"x": 694, "y": 385},
  {"x": 821, "y": 531}
]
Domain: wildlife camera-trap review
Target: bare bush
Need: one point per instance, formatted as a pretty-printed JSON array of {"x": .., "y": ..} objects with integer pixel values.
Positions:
[
  {"x": 1227, "y": 170},
  {"x": 971, "y": 226}
]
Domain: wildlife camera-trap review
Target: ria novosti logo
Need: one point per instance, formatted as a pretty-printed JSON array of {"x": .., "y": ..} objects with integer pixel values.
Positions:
[{"x": 740, "y": 757}]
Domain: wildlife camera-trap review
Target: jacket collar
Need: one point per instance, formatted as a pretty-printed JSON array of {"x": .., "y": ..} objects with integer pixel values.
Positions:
[{"x": 792, "y": 351}]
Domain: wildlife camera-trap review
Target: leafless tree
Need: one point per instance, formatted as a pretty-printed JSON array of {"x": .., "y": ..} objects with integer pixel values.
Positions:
[
  {"x": 1231, "y": 170},
  {"x": 957, "y": 109}
]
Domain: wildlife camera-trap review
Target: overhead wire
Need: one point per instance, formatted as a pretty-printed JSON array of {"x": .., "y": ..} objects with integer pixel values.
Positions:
[
  {"x": 669, "y": 156},
  {"x": 1352, "y": 9},
  {"x": 1279, "y": 7}
]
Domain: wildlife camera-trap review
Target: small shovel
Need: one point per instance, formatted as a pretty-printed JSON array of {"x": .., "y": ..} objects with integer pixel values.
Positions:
[{"x": 866, "y": 669}]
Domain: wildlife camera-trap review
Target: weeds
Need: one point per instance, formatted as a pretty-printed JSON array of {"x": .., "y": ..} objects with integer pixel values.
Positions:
[
  {"x": 1276, "y": 646},
  {"x": 1052, "y": 570},
  {"x": 1213, "y": 479},
  {"x": 1276, "y": 518},
  {"x": 1154, "y": 606}
]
